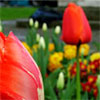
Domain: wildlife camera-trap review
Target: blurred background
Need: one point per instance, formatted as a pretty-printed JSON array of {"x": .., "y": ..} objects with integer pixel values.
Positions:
[{"x": 14, "y": 14}]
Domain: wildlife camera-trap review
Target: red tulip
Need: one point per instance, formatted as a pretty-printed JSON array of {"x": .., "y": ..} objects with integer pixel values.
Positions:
[
  {"x": 75, "y": 27},
  {"x": 20, "y": 78}
]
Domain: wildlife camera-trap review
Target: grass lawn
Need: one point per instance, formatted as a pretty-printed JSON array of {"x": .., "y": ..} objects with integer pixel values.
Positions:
[{"x": 11, "y": 13}]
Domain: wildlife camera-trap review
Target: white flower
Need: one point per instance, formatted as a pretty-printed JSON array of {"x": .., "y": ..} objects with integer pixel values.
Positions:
[
  {"x": 36, "y": 24},
  {"x": 1, "y": 28},
  {"x": 57, "y": 29},
  {"x": 38, "y": 37},
  {"x": 98, "y": 80},
  {"x": 31, "y": 22},
  {"x": 42, "y": 42},
  {"x": 44, "y": 27},
  {"x": 60, "y": 81}
]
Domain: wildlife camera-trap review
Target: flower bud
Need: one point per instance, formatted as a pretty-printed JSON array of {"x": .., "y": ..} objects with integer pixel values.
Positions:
[
  {"x": 1, "y": 28},
  {"x": 82, "y": 51},
  {"x": 31, "y": 22},
  {"x": 36, "y": 24},
  {"x": 38, "y": 37},
  {"x": 60, "y": 81},
  {"x": 44, "y": 27},
  {"x": 57, "y": 29},
  {"x": 98, "y": 80},
  {"x": 75, "y": 26},
  {"x": 42, "y": 42}
]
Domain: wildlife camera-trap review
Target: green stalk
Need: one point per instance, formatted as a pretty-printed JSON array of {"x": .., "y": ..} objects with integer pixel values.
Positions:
[
  {"x": 78, "y": 75},
  {"x": 98, "y": 98}
]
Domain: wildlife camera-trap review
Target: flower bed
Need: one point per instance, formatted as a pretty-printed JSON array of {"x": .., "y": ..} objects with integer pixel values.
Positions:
[
  {"x": 69, "y": 70},
  {"x": 58, "y": 63}
]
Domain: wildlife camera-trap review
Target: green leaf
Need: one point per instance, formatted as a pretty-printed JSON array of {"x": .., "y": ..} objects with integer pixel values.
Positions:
[
  {"x": 62, "y": 44},
  {"x": 35, "y": 57},
  {"x": 97, "y": 45},
  {"x": 41, "y": 59},
  {"x": 69, "y": 91},
  {"x": 46, "y": 58},
  {"x": 31, "y": 37},
  {"x": 84, "y": 96},
  {"x": 49, "y": 91},
  {"x": 46, "y": 38},
  {"x": 53, "y": 77},
  {"x": 98, "y": 97},
  {"x": 55, "y": 40}
]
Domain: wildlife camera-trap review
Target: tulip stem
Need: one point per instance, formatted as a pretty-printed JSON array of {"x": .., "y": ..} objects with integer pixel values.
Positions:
[
  {"x": 78, "y": 75},
  {"x": 98, "y": 98}
]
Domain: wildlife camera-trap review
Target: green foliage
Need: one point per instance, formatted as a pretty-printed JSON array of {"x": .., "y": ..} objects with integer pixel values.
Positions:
[
  {"x": 50, "y": 84},
  {"x": 49, "y": 91},
  {"x": 58, "y": 43},
  {"x": 43, "y": 61},
  {"x": 97, "y": 45},
  {"x": 69, "y": 90},
  {"x": 98, "y": 97},
  {"x": 84, "y": 96},
  {"x": 47, "y": 39},
  {"x": 11, "y": 13},
  {"x": 31, "y": 37}
]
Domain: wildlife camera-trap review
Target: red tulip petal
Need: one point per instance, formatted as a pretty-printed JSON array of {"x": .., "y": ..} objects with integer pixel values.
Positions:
[
  {"x": 72, "y": 24},
  {"x": 19, "y": 73},
  {"x": 87, "y": 34},
  {"x": 75, "y": 27}
]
